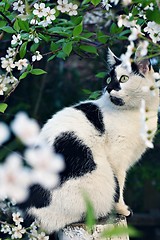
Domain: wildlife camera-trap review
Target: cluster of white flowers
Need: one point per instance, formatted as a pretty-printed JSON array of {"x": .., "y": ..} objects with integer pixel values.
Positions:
[
  {"x": 45, "y": 13},
  {"x": 65, "y": 7},
  {"x": 126, "y": 21},
  {"x": 19, "y": 6},
  {"x": 44, "y": 163},
  {"x": 9, "y": 63},
  {"x": 153, "y": 29},
  {"x": 17, "y": 231}
]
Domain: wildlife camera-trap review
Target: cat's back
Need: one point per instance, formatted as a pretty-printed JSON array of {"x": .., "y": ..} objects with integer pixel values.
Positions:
[{"x": 84, "y": 119}]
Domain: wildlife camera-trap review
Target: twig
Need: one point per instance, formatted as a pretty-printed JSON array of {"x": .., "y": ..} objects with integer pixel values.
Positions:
[{"x": 5, "y": 17}]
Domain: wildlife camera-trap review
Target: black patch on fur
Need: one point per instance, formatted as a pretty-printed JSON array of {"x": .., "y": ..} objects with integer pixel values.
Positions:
[
  {"x": 114, "y": 83},
  {"x": 93, "y": 114},
  {"x": 117, "y": 192},
  {"x": 38, "y": 197},
  {"x": 77, "y": 156},
  {"x": 117, "y": 101}
]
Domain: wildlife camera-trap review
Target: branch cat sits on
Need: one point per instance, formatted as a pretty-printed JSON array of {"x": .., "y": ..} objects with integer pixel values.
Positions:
[{"x": 99, "y": 141}]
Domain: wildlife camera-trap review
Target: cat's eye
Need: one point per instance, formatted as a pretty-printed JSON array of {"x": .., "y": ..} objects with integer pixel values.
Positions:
[
  {"x": 108, "y": 80},
  {"x": 123, "y": 78}
]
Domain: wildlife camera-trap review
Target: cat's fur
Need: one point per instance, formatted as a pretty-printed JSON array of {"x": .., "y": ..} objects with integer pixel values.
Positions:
[{"x": 100, "y": 140}]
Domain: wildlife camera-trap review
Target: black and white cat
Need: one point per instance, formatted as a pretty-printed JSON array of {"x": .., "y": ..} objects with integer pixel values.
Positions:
[{"x": 99, "y": 140}]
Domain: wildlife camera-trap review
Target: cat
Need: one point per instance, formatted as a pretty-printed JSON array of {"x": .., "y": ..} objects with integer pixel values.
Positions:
[{"x": 99, "y": 141}]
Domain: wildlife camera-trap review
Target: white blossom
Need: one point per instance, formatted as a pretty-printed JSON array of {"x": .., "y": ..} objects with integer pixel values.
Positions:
[
  {"x": 36, "y": 40},
  {"x": 11, "y": 79},
  {"x": 124, "y": 20},
  {"x": 63, "y": 6},
  {"x": 6, "y": 229},
  {"x": 106, "y": 4},
  {"x": 114, "y": 1},
  {"x": 16, "y": 40},
  {"x": 25, "y": 128},
  {"x": 11, "y": 52},
  {"x": 44, "y": 23},
  {"x": 126, "y": 2},
  {"x": 3, "y": 88},
  {"x": 149, "y": 7},
  {"x": 17, "y": 232},
  {"x": 42, "y": 236},
  {"x": 153, "y": 29},
  {"x": 14, "y": 179},
  {"x": 50, "y": 14},
  {"x": 46, "y": 164},
  {"x": 72, "y": 9},
  {"x": 22, "y": 63},
  {"x": 4, "y": 133},
  {"x": 7, "y": 63},
  {"x": 37, "y": 56},
  {"x": 143, "y": 48},
  {"x": 157, "y": 75},
  {"x": 33, "y": 21},
  {"x": 19, "y": 6},
  {"x": 40, "y": 10},
  {"x": 135, "y": 31},
  {"x": 17, "y": 218}
]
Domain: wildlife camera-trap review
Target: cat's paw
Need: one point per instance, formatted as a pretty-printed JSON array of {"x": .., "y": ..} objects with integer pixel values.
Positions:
[{"x": 124, "y": 210}]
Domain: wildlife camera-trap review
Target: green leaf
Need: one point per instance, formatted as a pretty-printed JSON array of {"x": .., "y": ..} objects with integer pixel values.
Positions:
[
  {"x": 16, "y": 25},
  {"x": 44, "y": 37},
  {"x": 23, "y": 49},
  {"x": 23, "y": 75},
  {"x": 153, "y": 15},
  {"x": 24, "y": 25},
  {"x": 89, "y": 49},
  {"x": 61, "y": 55},
  {"x": 8, "y": 29},
  {"x": 85, "y": 2},
  {"x": 95, "y": 95},
  {"x": 95, "y": 2},
  {"x": 114, "y": 29},
  {"x": 2, "y": 23},
  {"x": 34, "y": 47},
  {"x": 37, "y": 71},
  {"x": 102, "y": 37},
  {"x": 54, "y": 46},
  {"x": 77, "y": 30},
  {"x": 120, "y": 231},
  {"x": 76, "y": 20},
  {"x": 3, "y": 107},
  {"x": 67, "y": 48},
  {"x": 101, "y": 74},
  {"x": 51, "y": 58},
  {"x": 90, "y": 214}
]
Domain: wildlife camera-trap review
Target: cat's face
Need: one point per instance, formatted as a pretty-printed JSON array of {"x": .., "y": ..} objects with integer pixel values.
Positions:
[{"x": 127, "y": 89}]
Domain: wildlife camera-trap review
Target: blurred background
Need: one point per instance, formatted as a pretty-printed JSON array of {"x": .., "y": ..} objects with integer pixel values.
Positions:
[{"x": 73, "y": 80}]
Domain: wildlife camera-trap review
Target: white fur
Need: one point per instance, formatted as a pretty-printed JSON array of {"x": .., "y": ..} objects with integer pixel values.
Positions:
[{"x": 114, "y": 152}]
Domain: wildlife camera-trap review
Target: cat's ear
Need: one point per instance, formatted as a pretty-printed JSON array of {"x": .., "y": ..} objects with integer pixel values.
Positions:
[
  {"x": 144, "y": 65},
  {"x": 112, "y": 59}
]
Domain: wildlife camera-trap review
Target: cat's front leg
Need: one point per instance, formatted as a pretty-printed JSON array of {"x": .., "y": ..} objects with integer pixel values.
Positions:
[{"x": 120, "y": 206}]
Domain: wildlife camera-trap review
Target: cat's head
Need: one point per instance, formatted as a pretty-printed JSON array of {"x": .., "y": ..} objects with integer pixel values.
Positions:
[{"x": 127, "y": 88}]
